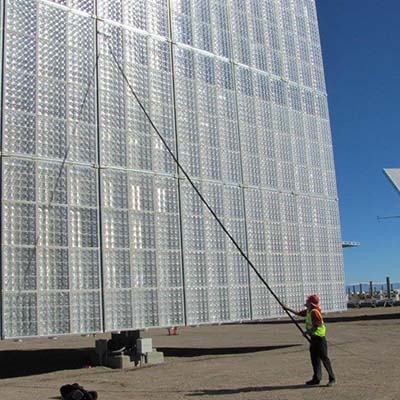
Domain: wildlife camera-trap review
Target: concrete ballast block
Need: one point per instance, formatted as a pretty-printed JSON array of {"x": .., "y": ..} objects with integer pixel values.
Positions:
[
  {"x": 144, "y": 345},
  {"x": 155, "y": 357},
  {"x": 120, "y": 362}
]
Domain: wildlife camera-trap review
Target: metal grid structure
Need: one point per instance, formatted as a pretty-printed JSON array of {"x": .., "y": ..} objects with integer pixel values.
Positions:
[{"x": 123, "y": 242}]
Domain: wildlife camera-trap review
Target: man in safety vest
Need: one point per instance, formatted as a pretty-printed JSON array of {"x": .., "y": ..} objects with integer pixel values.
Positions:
[{"x": 316, "y": 329}]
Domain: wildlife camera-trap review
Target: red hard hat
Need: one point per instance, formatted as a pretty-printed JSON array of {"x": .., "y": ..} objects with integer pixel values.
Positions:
[{"x": 313, "y": 299}]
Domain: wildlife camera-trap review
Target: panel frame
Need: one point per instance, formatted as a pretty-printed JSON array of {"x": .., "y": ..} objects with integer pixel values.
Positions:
[
  {"x": 3, "y": 20},
  {"x": 241, "y": 184},
  {"x": 98, "y": 164},
  {"x": 178, "y": 170}
]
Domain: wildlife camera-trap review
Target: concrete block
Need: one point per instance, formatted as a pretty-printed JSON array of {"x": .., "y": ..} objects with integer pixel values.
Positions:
[
  {"x": 155, "y": 357},
  {"x": 120, "y": 362},
  {"x": 144, "y": 345}
]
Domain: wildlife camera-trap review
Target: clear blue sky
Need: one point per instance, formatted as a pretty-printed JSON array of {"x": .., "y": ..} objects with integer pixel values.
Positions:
[{"x": 361, "y": 50}]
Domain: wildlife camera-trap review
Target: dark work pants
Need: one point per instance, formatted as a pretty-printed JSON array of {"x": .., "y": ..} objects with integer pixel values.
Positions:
[{"x": 318, "y": 353}]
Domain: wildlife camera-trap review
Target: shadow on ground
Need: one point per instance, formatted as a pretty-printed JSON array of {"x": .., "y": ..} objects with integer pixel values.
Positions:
[
  {"x": 216, "y": 392},
  {"x": 18, "y": 363},
  {"x": 197, "y": 352}
]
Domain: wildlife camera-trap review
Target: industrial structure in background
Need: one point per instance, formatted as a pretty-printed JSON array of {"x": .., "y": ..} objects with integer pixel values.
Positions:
[
  {"x": 100, "y": 230},
  {"x": 373, "y": 294}
]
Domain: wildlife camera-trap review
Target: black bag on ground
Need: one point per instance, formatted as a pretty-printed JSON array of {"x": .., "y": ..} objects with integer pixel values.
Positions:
[{"x": 76, "y": 392}]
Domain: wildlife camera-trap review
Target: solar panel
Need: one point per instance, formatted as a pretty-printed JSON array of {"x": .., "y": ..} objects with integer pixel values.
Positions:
[
  {"x": 101, "y": 231},
  {"x": 394, "y": 176}
]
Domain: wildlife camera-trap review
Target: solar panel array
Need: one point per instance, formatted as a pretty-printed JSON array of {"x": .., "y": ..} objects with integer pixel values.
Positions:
[{"x": 115, "y": 238}]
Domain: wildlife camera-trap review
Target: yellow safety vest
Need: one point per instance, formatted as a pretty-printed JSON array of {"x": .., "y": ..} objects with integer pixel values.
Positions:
[{"x": 321, "y": 330}]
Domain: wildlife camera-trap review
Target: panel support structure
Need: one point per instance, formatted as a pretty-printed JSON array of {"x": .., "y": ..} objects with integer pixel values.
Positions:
[{"x": 3, "y": 10}]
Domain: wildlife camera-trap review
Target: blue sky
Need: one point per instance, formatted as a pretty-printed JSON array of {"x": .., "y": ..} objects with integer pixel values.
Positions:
[{"x": 361, "y": 49}]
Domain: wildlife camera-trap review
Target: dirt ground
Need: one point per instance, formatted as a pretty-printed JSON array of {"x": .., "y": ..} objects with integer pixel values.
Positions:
[{"x": 248, "y": 361}]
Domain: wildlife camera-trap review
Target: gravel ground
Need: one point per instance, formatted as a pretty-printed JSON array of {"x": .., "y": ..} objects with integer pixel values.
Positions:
[{"x": 248, "y": 361}]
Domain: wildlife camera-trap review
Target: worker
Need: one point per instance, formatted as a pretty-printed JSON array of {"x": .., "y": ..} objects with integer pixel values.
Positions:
[
  {"x": 173, "y": 330},
  {"x": 315, "y": 329}
]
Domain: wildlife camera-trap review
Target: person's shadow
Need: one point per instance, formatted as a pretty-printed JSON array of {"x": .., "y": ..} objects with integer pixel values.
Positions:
[{"x": 216, "y": 392}]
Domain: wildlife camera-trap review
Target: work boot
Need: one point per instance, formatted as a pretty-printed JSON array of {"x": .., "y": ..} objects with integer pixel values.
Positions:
[
  {"x": 312, "y": 382},
  {"x": 332, "y": 382}
]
